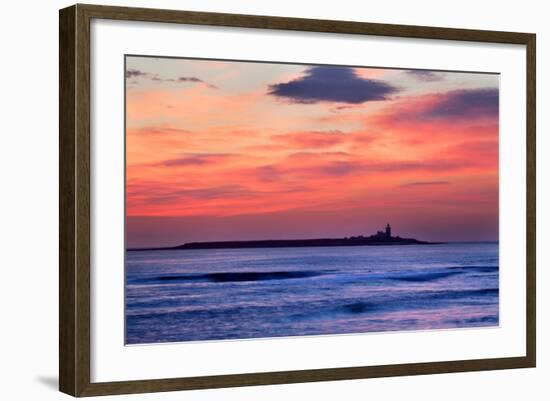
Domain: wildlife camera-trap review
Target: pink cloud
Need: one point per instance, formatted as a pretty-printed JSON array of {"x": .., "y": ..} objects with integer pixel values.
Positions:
[{"x": 312, "y": 139}]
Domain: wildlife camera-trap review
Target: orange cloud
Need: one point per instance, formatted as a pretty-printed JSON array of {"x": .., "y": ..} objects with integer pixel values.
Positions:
[{"x": 314, "y": 139}]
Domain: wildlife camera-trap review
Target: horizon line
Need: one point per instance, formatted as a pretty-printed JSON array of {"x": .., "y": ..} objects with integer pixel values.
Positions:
[{"x": 167, "y": 247}]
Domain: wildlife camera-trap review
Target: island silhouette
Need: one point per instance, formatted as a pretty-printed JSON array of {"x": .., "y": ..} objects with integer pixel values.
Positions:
[{"x": 380, "y": 238}]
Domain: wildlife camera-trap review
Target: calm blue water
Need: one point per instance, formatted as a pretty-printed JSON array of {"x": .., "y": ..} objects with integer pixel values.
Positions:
[{"x": 193, "y": 295}]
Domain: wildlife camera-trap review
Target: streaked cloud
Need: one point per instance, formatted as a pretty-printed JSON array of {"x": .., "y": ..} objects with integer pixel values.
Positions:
[
  {"x": 160, "y": 130},
  {"x": 198, "y": 159},
  {"x": 313, "y": 139},
  {"x": 134, "y": 73},
  {"x": 424, "y": 183}
]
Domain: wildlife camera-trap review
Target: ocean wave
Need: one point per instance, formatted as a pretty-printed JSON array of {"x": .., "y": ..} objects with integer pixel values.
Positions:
[
  {"x": 228, "y": 277},
  {"x": 490, "y": 319},
  {"x": 361, "y": 307},
  {"x": 411, "y": 301},
  {"x": 477, "y": 269},
  {"x": 422, "y": 277},
  {"x": 321, "y": 310}
]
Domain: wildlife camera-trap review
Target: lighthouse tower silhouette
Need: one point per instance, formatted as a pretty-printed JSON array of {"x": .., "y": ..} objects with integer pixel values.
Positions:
[{"x": 388, "y": 231}]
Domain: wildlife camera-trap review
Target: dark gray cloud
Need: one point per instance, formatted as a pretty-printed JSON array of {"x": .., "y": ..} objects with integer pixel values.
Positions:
[
  {"x": 132, "y": 73},
  {"x": 189, "y": 79},
  {"x": 466, "y": 103},
  {"x": 196, "y": 80},
  {"x": 332, "y": 84},
  {"x": 159, "y": 79},
  {"x": 426, "y": 75}
]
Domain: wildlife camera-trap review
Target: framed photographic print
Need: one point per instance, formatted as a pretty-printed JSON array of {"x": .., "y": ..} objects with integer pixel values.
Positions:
[{"x": 250, "y": 200}]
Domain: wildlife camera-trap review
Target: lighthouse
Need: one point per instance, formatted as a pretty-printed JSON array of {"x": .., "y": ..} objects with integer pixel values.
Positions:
[{"x": 388, "y": 231}]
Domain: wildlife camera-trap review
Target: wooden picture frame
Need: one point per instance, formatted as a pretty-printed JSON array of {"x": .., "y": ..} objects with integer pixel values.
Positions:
[{"x": 74, "y": 203}]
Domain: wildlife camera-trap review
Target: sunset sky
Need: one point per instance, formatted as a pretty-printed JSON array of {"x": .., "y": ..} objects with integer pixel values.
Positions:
[{"x": 224, "y": 150}]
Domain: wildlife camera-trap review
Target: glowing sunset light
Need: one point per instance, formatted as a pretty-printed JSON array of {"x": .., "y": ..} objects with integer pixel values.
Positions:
[{"x": 221, "y": 150}]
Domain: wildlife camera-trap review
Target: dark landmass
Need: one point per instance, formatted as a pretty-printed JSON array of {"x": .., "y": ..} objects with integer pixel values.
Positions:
[{"x": 293, "y": 243}]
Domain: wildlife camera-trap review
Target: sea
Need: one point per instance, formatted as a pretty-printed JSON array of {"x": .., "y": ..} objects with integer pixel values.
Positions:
[{"x": 223, "y": 294}]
